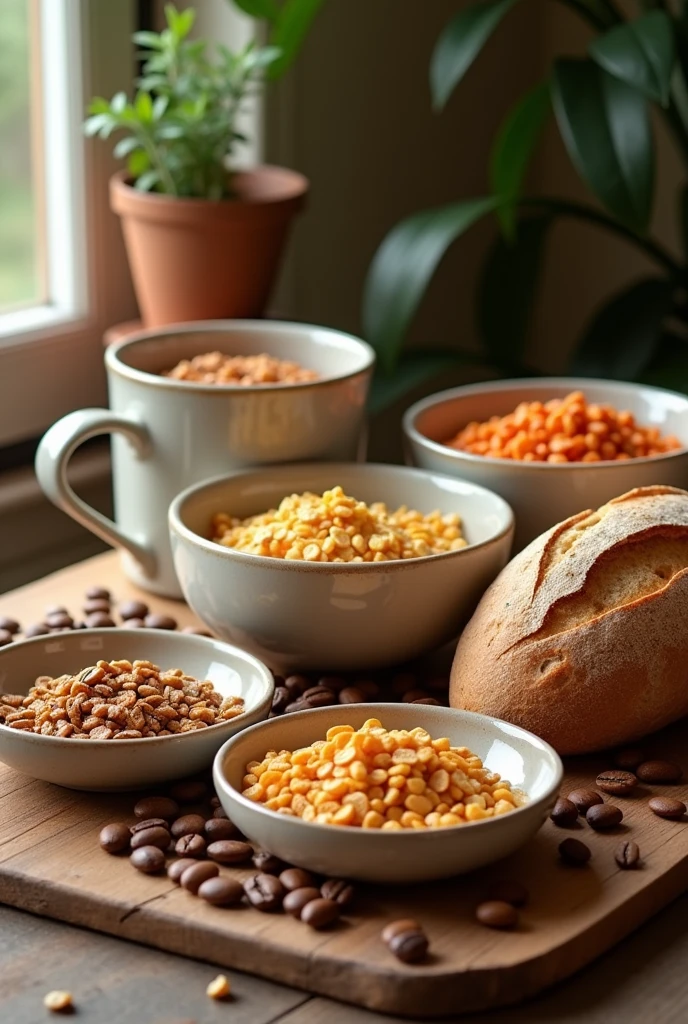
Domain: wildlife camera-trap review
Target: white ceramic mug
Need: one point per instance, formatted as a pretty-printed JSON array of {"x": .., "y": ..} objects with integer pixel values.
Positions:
[{"x": 169, "y": 434}]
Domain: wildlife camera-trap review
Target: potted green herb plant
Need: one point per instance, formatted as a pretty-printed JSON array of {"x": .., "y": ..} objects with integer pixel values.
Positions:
[{"x": 204, "y": 241}]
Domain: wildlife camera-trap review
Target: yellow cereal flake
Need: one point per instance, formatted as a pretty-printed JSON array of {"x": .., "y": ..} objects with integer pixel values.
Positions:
[{"x": 347, "y": 780}]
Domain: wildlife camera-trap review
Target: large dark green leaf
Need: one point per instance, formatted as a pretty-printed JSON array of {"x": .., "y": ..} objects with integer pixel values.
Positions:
[
  {"x": 621, "y": 339},
  {"x": 259, "y": 8},
  {"x": 412, "y": 371},
  {"x": 507, "y": 291},
  {"x": 606, "y": 129},
  {"x": 640, "y": 53},
  {"x": 289, "y": 30},
  {"x": 513, "y": 149},
  {"x": 460, "y": 43},
  {"x": 402, "y": 268}
]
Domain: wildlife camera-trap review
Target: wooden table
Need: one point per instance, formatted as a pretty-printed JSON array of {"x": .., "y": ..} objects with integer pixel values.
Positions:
[{"x": 113, "y": 980}]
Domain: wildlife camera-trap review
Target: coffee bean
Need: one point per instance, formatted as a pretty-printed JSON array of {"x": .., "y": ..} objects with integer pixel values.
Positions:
[
  {"x": 134, "y": 624},
  {"x": 264, "y": 892},
  {"x": 334, "y": 683},
  {"x": 156, "y": 807},
  {"x": 38, "y": 629},
  {"x": 9, "y": 625},
  {"x": 667, "y": 807},
  {"x": 604, "y": 816},
  {"x": 627, "y": 854},
  {"x": 338, "y": 890},
  {"x": 432, "y": 701},
  {"x": 133, "y": 610},
  {"x": 191, "y": 845},
  {"x": 188, "y": 825},
  {"x": 192, "y": 878},
  {"x": 220, "y": 828},
  {"x": 178, "y": 867},
  {"x": 215, "y": 802},
  {"x": 369, "y": 688},
  {"x": 155, "y": 621},
  {"x": 296, "y": 878},
  {"x": 280, "y": 699},
  {"x": 508, "y": 891},
  {"x": 196, "y": 631},
  {"x": 155, "y": 836},
  {"x": 413, "y": 695},
  {"x": 296, "y": 900},
  {"x": 56, "y": 609},
  {"x": 658, "y": 772},
  {"x": 584, "y": 799},
  {"x": 99, "y": 620},
  {"x": 410, "y": 947},
  {"x": 351, "y": 695},
  {"x": 114, "y": 838},
  {"x": 5, "y": 637},
  {"x": 320, "y": 913},
  {"x": 629, "y": 758},
  {"x": 497, "y": 914},
  {"x": 318, "y": 697},
  {"x": 229, "y": 851},
  {"x": 616, "y": 782},
  {"x": 572, "y": 851},
  {"x": 59, "y": 620},
  {"x": 188, "y": 791},
  {"x": 564, "y": 813},
  {"x": 149, "y": 823},
  {"x": 221, "y": 892},
  {"x": 266, "y": 863},
  {"x": 148, "y": 859},
  {"x": 296, "y": 705},
  {"x": 93, "y": 593},
  {"x": 406, "y": 924},
  {"x": 219, "y": 812},
  {"x": 96, "y": 605},
  {"x": 296, "y": 685}
]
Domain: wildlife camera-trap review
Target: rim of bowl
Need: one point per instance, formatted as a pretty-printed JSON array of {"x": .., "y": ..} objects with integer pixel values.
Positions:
[
  {"x": 577, "y": 383},
  {"x": 114, "y": 363},
  {"x": 257, "y": 664},
  {"x": 545, "y": 749},
  {"x": 288, "y": 565}
]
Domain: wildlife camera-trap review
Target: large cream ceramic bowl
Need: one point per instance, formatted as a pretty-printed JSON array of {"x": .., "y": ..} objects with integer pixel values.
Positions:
[
  {"x": 543, "y": 494},
  {"x": 110, "y": 765},
  {"x": 300, "y": 615},
  {"x": 526, "y": 761}
]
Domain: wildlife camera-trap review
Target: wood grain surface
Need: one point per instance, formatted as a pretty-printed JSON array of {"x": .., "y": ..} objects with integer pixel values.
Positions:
[{"x": 50, "y": 864}]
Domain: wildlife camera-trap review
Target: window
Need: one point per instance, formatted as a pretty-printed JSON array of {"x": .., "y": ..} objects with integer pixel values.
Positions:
[{"x": 63, "y": 273}]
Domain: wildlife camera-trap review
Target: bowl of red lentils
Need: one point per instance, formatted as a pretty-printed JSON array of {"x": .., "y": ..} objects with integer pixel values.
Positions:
[
  {"x": 552, "y": 447},
  {"x": 395, "y": 793},
  {"x": 337, "y": 566}
]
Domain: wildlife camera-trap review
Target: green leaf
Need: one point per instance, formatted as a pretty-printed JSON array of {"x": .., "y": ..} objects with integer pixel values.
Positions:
[
  {"x": 403, "y": 266},
  {"x": 606, "y": 128},
  {"x": 413, "y": 371},
  {"x": 259, "y": 8},
  {"x": 160, "y": 105},
  {"x": 138, "y": 163},
  {"x": 147, "y": 181},
  {"x": 95, "y": 124},
  {"x": 151, "y": 40},
  {"x": 126, "y": 146},
  {"x": 622, "y": 337},
  {"x": 118, "y": 102},
  {"x": 641, "y": 53},
  {"x": 143, "y": 106},
  {"x": 507, "y": 291},
  {"x": 289, "y": 30},
  {"x": 513, "y": 149},
  {"x": 459, "y": 45},
  {"x": 185, "y": 22},
  {"x": 98, "y": 105}
]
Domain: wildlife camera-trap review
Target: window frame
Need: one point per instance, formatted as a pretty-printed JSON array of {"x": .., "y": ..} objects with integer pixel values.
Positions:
[{"x": 51, "y": 358}]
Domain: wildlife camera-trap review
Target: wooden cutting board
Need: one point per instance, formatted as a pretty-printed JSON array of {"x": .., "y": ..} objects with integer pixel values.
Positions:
[{"x": 50, "y": 864}]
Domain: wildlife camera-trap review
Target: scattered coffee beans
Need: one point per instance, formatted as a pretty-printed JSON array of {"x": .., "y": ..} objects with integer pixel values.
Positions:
[
  {"x": 410, "y": 947},
  {"x": 5, "y": 637},
  {"x": 627, "y": 855},
  {"x": 616, "y": 782},
  {"x": 133, "y": 610},
  {"x": 148, "y": 859},
  {"x": 564, "y": 813},
  {"x": 155, "y": 621},
  {"x": 667, "y": 807},
  {"x": 95, "y": 592},
  {"x": 572, "y": 851},
  {"x": 629, "y": 758},
  {"x": 296, "y": 900},
  {"x": 99, "y": 620},
  {"x": 149, "y": 823},
  {"x": 114, "y": 838},
  {"x": 497, "y": 914},
  {"x": 320, "y": 913},
  {"x": 296, "y": 878},
  {"x": 188, "y": 824},
  {"x": 230, "y": 851},
  {"x": 178, "y": 867},
  {"x": 96, "y": 605},
  {"x": 190, "y": 846},
  {"x": 659, "y": 772},
  {"x": 155, "y": 836},
  {"x": 267, "y": 864},
  {"x": 220, "y": 828},
  {"x": 339, "y": 891},
  {"x": 604, "y": 816},
  {"x": 156, "y": 807},
  {"x": 193, "y": 877},
  {"x": 38, "y": 629},
  {"x": 584, "y": 799},
  {"x": 508, "y": 891},
  {"x": 264, "y": 892},
  {"x": 221, "y": 892},
  {"x": 9, "y": 625}
]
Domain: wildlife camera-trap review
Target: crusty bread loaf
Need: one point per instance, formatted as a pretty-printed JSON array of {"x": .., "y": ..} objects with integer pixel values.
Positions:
[{"x": 583, "y": 637}]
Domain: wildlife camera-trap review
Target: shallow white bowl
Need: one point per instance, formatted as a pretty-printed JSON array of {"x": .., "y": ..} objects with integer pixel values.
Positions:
[
  {"x": 297, "y": 614},
  {"x": 525, "y": 760},
  {"x": 128, "y": 764},
  {"x": 543, "y": 494}
]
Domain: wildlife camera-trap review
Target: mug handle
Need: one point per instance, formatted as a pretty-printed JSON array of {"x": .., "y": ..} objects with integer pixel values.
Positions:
[{"x": 55, "y": 450}]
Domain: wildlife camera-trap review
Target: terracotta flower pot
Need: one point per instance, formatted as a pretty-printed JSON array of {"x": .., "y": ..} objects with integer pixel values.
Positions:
[{"x": 200, "y": 259}]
